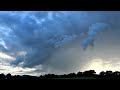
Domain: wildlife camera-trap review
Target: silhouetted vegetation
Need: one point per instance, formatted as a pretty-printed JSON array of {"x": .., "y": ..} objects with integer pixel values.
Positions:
[{"x": 90, "y": 74}]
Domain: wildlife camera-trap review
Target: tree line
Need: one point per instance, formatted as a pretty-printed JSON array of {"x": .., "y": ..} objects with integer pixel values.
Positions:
[{"x": 79, "y": 75}]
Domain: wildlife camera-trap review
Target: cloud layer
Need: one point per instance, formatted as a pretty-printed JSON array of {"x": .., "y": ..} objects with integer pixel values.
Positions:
[{"x": 36, "y": 38}]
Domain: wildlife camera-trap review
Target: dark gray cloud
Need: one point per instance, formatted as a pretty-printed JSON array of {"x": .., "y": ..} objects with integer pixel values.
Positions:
[
  {"x": 93, "y": 30},
  {"x": 48, "y": 36}
]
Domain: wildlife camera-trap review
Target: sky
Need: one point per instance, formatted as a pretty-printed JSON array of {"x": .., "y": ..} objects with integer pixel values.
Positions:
[{"x": 59, "y": 42}]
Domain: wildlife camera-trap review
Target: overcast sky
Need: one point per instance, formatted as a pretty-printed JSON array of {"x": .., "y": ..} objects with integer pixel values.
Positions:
[{"x": 39, "y": 42}]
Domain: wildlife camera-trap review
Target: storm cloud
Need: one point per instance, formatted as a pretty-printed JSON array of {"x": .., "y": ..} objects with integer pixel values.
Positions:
[{"x": 52, "y": 39}]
